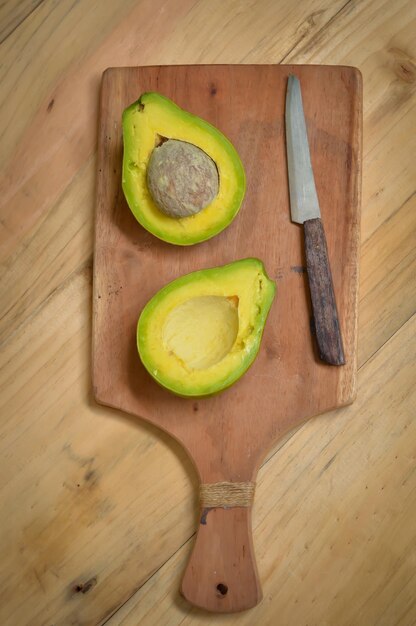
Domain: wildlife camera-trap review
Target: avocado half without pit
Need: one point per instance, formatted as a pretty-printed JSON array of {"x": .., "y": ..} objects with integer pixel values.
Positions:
[
  {"x": 201, "y": 332},
  {"x": 182, "y": 178}
]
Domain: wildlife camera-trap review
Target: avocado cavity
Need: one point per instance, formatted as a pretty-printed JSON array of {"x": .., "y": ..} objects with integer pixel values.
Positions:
[{"x": 201, "y": 331}]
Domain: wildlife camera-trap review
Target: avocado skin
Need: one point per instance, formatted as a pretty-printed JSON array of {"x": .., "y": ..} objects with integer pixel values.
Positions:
[
  {"x": 212, "y": 275},
  {"x": 134, "y": 183}
]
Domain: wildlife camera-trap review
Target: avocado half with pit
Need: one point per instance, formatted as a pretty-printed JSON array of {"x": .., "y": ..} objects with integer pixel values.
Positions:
[
  {"x": 201, "y": 332},
  {"x": 182, "y": 178}
]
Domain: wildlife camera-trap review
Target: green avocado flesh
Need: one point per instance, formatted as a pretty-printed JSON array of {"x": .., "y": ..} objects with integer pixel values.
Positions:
[
  {"x": 147, "y": 124},
  {"x": 201, "y": 332}
]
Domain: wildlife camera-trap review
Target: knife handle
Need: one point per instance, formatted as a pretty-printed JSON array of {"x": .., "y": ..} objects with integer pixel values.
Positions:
[{"x": 328, "y": 334}]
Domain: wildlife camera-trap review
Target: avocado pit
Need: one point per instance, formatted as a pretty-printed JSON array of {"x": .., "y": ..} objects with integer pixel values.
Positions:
[{"x": 182, "y": 178}]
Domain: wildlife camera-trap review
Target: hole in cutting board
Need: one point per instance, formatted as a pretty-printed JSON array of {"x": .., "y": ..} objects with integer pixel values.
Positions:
[{"x": 223, "y": 589}]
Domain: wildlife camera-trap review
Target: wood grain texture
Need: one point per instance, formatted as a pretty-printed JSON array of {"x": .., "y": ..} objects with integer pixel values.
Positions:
[
  {"x": 124, "y": 525},
  {"x": 287, "y": 383},
  {"x": 12, "y": 14},
  {"x": 324, "y": 307},
  {"x": 335, "y": 501},
  {"x": 70, "y": 88}
]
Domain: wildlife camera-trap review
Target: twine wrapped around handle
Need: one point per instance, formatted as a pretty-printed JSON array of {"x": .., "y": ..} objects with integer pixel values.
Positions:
[{"x": 226, "y": 494}]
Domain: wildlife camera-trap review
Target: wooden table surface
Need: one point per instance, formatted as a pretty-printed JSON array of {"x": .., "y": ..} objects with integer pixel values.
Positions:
[{"x": 98, "y": 510}]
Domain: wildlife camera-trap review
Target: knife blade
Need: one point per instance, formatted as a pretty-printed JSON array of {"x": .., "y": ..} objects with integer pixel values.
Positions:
[{"x": 305, "y": 210}]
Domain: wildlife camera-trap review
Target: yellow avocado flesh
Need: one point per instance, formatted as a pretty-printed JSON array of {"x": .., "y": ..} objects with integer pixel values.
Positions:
[
  {"x": 144, "y": 122},
  {"x": 201, "y": 332}
]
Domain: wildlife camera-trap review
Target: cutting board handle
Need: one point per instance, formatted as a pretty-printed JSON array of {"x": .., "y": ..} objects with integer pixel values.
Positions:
[{"x": 221, "y": 574}]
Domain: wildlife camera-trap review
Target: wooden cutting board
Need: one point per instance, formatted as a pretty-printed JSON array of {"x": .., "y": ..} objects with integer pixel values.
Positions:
[{"x": 228, "y": 436}]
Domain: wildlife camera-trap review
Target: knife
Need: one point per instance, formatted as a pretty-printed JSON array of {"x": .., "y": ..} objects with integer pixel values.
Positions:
[{"x": 304, "y": 209}]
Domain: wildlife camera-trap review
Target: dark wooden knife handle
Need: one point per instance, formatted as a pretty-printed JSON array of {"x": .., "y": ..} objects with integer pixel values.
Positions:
[{"x": 328, "y": 333}]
